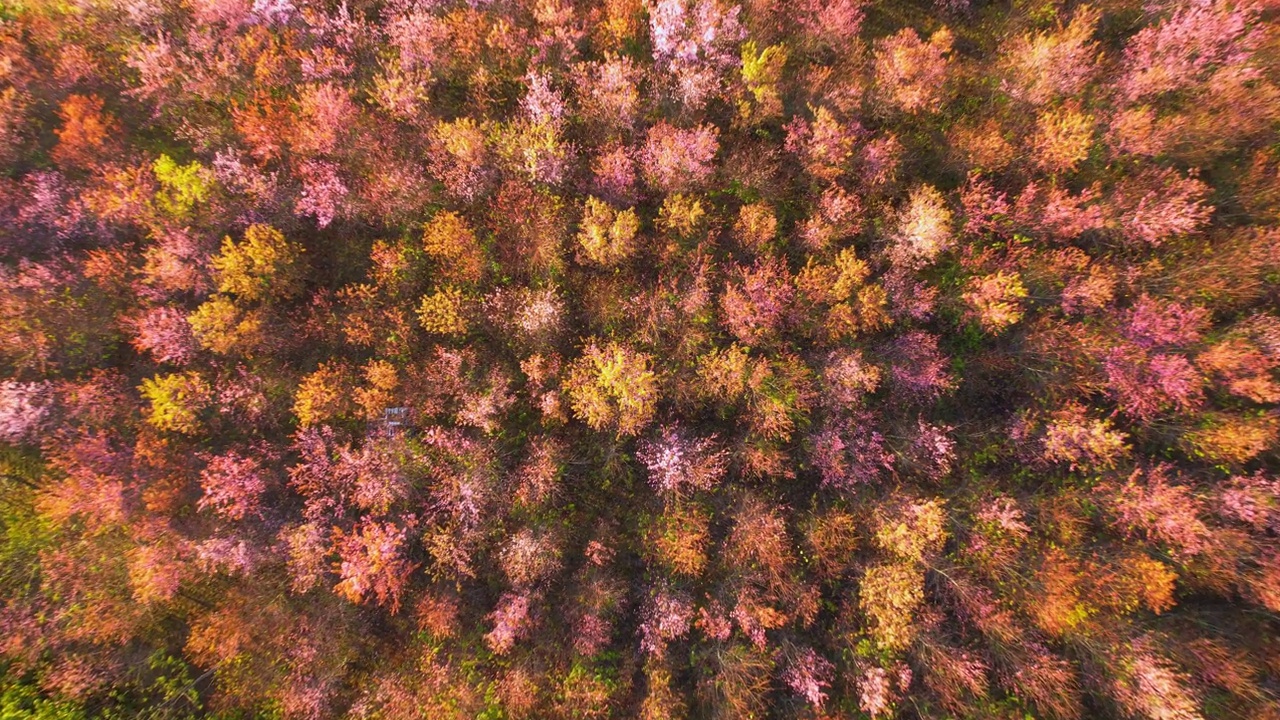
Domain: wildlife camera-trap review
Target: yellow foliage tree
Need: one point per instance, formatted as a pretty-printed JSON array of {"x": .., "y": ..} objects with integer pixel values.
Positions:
[
  {"x": 762, "y": 72},
  {"x": 176, "y": 401},
  {"x": 263, "y": 265},
  {"x": 322, "y": 395},
  {"x": 613, "y": 387},
  {"x": 441, "y": 312},
  {"x": 452, "y": 243},
  {"x": 218, "y": 325},
  {"x": 889, "y": 596},
  {"x": 607, "y": 236}
]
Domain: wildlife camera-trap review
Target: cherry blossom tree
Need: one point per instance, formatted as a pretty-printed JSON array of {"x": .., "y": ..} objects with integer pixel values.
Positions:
[
  {"x": 25, "y": 409},
  {"x": 678, "y": 463},
  {"x": 923, "y": 230},
  {"x": 233, "y": 485},
  {"x": 676, "y": 159},
  {"x": 372, "y": 564}
]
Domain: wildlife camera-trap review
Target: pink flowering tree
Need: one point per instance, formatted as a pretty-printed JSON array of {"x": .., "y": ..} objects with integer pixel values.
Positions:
[
  {"x": 1058, "y": 63},
  {"x": 851, "y": 453},
  {"x": 1157, "y": 206},
  {"x": 920, "y": 371},
  {"x": 676, "y": 159},
  {"x": 924, "y": 230},
  {"x": 1055, "y": 213},
  {"x": 667, "y": 616},
  {"x": 1146, "y": 385},
  {"x": 372, "y": 564},
  {"x": 611, "y": 89},
  {"x": 324, "y": 193},
  {"x": 825, "y": 146},
  {"x": 1188, "y": 47},
  {"x": 233, "y": 485},
  {"x": 1151, "y": 504},
  {"x": 696, "y": 42},
  {"x": 809, "y": 675},
  {"x": 165, "y": 333},
  {"x": 833, "y": 23},
  {"x": 1153, "y": 323},
  {"x": 757, "y": 304},
  {"x": 678, "y": 463},
  {"x": 25, "y": 409},
  {"x": 511, "y": 622},
  {"x": 932, "y": 451}
]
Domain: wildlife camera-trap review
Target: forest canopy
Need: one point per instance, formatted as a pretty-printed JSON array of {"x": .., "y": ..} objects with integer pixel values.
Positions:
[{"x": 659, "y": 359}]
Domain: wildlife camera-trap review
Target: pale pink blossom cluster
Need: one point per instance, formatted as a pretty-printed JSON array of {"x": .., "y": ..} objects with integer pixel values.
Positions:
[
  {"x": 878, "y": 690},
  {"x": 1156, "y": 206},
  {"x": 323, "y": 481},
  {"x": 417, "y": 34},
  {"x": 235, "y": 557},
  {"x": 696, "y": 41},
  {"x": 848, "y": 453},
  {"x": 540, "y": 312},
  {"x": 51, "y": 206},
  {"x": 376, "y": 469},
  {"x": 542, "y": 103},
  {"x": 614, "y": 175},
  {"x": 1056, "y": 213},
  {"x": 923, "y": 230},
  {"x": 1044, "y": 66},
  {"x": 245, "y": 178},
  {"x": 666, "y": 617},
  {"x": 808, "y": 674},
  {"x": 679, "y": 463},
  {"x": 986, "y": 209},
  {"x": 25, "y": 408},
  {"x": 1149, "y": 686},
  {"x": 758, "y": 302},
  {"x": 909, "y": 297},
  {"x": 1153, "y": 323},
  {"x": 611, "y": 88},
  {"x": 511, "y": 622},
  {"x": 920, "y": 371},
  {"x": 834, "y": 22},
  {"x": 592, "y": 633},
  {"x": 324, "y": 193},
  {"x": 530, "y": 557},
  {"x": 1253, "y": 500},
  {"x": 1186, "y": 47},
  {"x": 932, "y": 450},
  {"x": 1004, "y": 513}
]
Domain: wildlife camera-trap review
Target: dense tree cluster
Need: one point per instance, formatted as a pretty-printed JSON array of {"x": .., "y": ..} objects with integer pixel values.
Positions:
[{"x": 396, "y": 359}]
